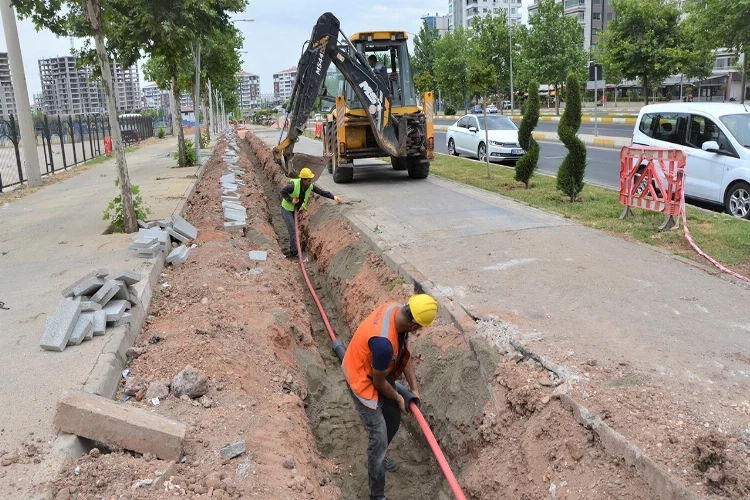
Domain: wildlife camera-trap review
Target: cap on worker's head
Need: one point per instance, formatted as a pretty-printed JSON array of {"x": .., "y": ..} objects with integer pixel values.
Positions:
[
  {"x": 306, "y": 173},
  {"x": 423, "y": 309}
]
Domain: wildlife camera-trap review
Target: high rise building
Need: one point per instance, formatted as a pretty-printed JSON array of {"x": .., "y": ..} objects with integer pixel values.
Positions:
[
  {"x": 593, "y": 15},
  {"x": 438, "y": 23},
  {"x": 7, "y": 99},
  {"x": 283, "y": 81},
  {"x": 248, "y": 90},
  {"x": 465, "y": 12},
  {"x": 67, "y": 89},
  {"x": 154, "y": 97}
]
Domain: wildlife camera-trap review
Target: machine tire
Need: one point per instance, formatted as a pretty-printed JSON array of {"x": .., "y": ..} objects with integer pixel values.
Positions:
[
  {"x": 418, "y": 168},
  {"x": 399, "y": 162},
  {"x": 343, "y": 174}
]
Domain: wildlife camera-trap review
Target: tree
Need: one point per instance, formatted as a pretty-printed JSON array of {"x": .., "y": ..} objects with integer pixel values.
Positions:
[
  {"x": 554, "y": 46},
  {"x": 423, "y": 61},
  {"x": 491, "y": 43},
  {"x": 451, "y": 63},
  {"x": 573, "y": 166},
  {"x": 481, "y": 76},
  {"x": 723, "y": 23},
  {"x": 526, "y": 165},
  {"x": 642, "y": 41}
]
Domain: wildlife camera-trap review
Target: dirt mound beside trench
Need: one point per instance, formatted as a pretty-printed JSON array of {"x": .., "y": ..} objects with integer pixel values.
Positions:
[
  {"x": 240, "y": 330},
  {"x": 518, "y": 442}
]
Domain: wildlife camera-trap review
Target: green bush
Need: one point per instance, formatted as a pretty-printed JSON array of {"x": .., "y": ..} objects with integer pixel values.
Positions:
[
  {"x": 191, "y": 159},
  {"x": 161, "y": 133},
  {"x": 114, "y": 210},
  {"x": 527, "y": 164},
  {"x": 450, "y": 110},
  {"x": 205, "y": 139},
  {"x": 669, "y": 96},
  {"x": 573, "y": 167}
]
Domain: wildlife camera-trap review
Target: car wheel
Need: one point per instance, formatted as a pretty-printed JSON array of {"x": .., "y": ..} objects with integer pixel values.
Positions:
[
  {"x": 452, "y": 148},
  {"x": 482, "y": 152},
  {"x": 737, "y": 200}
]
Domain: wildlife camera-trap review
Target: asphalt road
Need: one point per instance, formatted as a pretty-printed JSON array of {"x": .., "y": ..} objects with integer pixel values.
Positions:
[
  {"x": 605, "y": 129},
  {"x": 603, "y": 167}
]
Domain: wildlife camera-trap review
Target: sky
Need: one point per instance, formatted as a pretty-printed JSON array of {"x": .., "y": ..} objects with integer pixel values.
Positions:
[{"x": 273, "y": 41}]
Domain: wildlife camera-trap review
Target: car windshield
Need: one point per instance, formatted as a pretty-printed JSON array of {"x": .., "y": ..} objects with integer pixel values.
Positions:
[
  {"x": 497, "y": 123},
  {"x": 739, "y": 127}
]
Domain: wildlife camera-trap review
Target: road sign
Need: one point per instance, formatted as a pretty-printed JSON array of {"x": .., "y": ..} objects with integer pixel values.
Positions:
[{"x": 597, "y": 85}]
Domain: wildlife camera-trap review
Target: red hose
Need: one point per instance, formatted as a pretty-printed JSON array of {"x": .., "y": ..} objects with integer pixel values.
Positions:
[{"x": 447, "y": 472}]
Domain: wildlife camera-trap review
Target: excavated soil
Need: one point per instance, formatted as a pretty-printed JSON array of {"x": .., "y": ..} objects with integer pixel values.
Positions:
[{"x": 506, "y": 437}]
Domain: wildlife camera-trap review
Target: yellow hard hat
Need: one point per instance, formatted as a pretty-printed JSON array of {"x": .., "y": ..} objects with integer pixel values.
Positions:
[
  {"x": 306, "y": 173},
  {"x": 423, "y": 308}
]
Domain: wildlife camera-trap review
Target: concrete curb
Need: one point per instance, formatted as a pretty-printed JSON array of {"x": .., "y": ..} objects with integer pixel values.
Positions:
[{"x": 104, "y": 377}]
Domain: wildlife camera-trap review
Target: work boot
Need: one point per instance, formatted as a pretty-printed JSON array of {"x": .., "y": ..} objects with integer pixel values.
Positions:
[{"x": 391, "y": 465}]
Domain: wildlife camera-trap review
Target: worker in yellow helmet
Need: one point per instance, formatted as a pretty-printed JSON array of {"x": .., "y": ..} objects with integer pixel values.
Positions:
[
  {"x": 294, "y": 196},
  {"x": 376, "y": 357}
]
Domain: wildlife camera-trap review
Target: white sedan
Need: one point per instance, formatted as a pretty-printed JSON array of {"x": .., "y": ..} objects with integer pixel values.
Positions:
[{"x": 467, "y": 136}]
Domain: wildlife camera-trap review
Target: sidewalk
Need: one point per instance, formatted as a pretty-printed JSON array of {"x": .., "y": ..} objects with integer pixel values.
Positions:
[
  {"x": 48, "y": 240},
  {"x": 658, "y": 347}
]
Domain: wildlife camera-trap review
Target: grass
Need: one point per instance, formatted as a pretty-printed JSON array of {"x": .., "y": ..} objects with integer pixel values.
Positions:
[
  {"x": 310, "y": 134},
  {"x": 721, "y": 236}
]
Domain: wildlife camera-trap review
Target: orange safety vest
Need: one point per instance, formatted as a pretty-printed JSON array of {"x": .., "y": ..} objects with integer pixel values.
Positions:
[{"x": 357, "y": 362}]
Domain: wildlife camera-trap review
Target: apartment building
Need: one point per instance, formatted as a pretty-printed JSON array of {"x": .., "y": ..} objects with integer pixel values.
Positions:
[
  {"x": 153, "y": 97},
  {"x": 466, "y": 12},
  {"x": 593, "y": 15},
  {"x": 7, "y": 99},
  {"x": 438, "y": 23},
  {"x": 283, "y": 82},
  {"x": 67, "y": 89},
  {"x": 248, "y": 90}
]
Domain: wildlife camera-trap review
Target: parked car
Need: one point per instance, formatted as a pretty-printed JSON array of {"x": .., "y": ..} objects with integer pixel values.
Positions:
[
  {"x": 476, "y": 109},
  {"x": 318, "y": 117},
  {"x": 467, "y": 136},
  {"x": 492, "y": 108},
  {"x": 506, "y": 104},
  {"x": 716, "y": 141}
]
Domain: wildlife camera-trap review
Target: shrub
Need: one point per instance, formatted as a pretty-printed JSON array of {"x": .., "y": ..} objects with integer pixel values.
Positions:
[
  {"x": 669, "y": 96},
  {"x": 114, "y": 210},
  {"x": 161, "y": 133},
  {"x": 526, "y": 165},
  {"x": 573, "y": 167},
  {"x": 191, "y": 159},
  {"x": 450, "y": 110}
]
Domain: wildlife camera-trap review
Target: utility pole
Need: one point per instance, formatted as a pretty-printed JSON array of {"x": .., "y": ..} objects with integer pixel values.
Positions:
[
  {"x": 510, "y": 48},
  {"x": 210, "y": 111},
  {"x": 196, "y": 49},
  {"x": 21, "y": 94}
]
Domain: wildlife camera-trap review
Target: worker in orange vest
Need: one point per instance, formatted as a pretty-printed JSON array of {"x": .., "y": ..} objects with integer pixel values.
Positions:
[{"x": 377, "y": 356}]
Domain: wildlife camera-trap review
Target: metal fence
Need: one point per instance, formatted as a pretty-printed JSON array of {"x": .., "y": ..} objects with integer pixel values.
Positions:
[{"x": 63, "y": 141}]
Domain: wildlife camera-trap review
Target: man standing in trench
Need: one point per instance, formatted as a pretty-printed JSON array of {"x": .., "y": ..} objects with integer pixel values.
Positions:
[
  {"x": 376, "y": 357},
  {"x": 294, "y": 196}
]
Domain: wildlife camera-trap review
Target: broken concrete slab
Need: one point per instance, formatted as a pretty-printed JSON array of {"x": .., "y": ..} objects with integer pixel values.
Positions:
[
  {"x": 121, "y": 425},
  {"x": 106, "y": 292},
  {"x": 184, "y": 227},
  {"x": 115, "y": 309},
  {"x": 97, "y": 273},
  {"x": 60, "y": 325},
  {"x": 178, "y": 255},
  {"x": 88, "y": 287},
  {"x": 234, "y": 225},
  {"x": 84, "y": 326},
  {"x": 125, "y": 319},
  {"x": 258, "y": 255},
  {"x": 233, "y": 450},
  {"x": 90, "y": 305},
  {"x": 178, "y": 236},
  {"x": 100, "y": 322},
  {"x": 129, "y": 277},
  {"x": 147, "y": 224}
]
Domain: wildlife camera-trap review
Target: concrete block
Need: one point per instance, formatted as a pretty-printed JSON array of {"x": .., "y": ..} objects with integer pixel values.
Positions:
[
  {"x": 235, "y": 215},
  {"x": 178, "y": 236},
  {"x": 106, "y": 292},
  {"x": 234, "y": 225},
  {"x": 83, "y": 327},
  {"x": 120, "y": 425},
  {"x": 179, "y": 255},
  {"x": 259, "y": 255},
  {"x": 151, "y": 250},
  {"x": 164, "y": 223},
  {"x": 148, "y": 224},
  {"x": 88, "y": 287},
  {"x": 234, "y": 205},
  {"x": 139, "y": 241},
  {"x": 89, "y": 305},
  {"x": 233, "y": 450},
  {"x": 122, "y": 292},
  {"x": 129, "y": 277},
  {"x": 115, "y": 309},
  {"x": 133, "y": 296},
  {"x": 184, "y": 227},
  {"x": 97, "y": 273},
  {"x": 230, "y": 198},
  {"x": 125, "y": 319},
  {"x": 59, "y": 327},
  {"x": 100, "y": 322}
]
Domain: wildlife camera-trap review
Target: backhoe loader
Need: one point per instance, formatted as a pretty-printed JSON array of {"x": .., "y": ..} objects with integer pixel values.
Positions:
[{"x": 370, "y": 112}]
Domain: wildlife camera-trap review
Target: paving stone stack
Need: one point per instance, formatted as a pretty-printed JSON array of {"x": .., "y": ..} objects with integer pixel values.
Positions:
[
  {"x": 154, "y": 237},
  {"x": 90, "y": 305},
  {"x": 234, "y": 213}
]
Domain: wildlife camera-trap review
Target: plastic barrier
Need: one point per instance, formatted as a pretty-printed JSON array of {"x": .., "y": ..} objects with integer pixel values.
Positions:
[
  {"x": 653, "y": 179},
  {"x": 319, "y": 130},
  {"x": 107, "y": 145}
]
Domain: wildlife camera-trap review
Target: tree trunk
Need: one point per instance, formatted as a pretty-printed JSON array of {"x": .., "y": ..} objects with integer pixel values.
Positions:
[
  {"x": 645, "y": 89},
  {"x": 172, "y": 108},
  {"x": 197, "y": 97},
  {"x": 93, "y": 12},
  {"x": 486, "y": 136},
  {"x": 557, "y": 100},
  {"x": 744, "y": 77},
  {"x": 177, "y": 115}
]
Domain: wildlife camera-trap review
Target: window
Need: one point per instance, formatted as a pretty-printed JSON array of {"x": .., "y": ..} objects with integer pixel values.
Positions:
[
  {"x": 597, "y": 16},
  {"x": 739, "y": 127},
  {"x": 609, "y": 16},
  {"x": 702, "y": 130},
  {"x": 668, "y": 127},
  {"x": 463, "y": 122}
]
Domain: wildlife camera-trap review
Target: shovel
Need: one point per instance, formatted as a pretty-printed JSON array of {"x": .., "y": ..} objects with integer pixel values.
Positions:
[{"x": 301, "y": 160}]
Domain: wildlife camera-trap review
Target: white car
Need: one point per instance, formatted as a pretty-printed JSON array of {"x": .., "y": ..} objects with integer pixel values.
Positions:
[
  {"x": 467, "y": 136},
  {"x": 716, "y": 140},
  {"x": 492, "y": 108}
]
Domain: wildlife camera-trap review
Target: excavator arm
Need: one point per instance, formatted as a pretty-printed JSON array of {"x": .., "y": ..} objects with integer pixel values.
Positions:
[{"x": 370, "y": 88}]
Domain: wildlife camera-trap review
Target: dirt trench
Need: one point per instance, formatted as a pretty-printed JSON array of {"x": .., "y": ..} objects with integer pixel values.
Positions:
[{"x": 507, "y": 437}]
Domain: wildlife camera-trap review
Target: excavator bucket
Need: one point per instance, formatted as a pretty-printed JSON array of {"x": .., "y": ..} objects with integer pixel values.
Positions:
[{"x": 301, "y": 160}]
